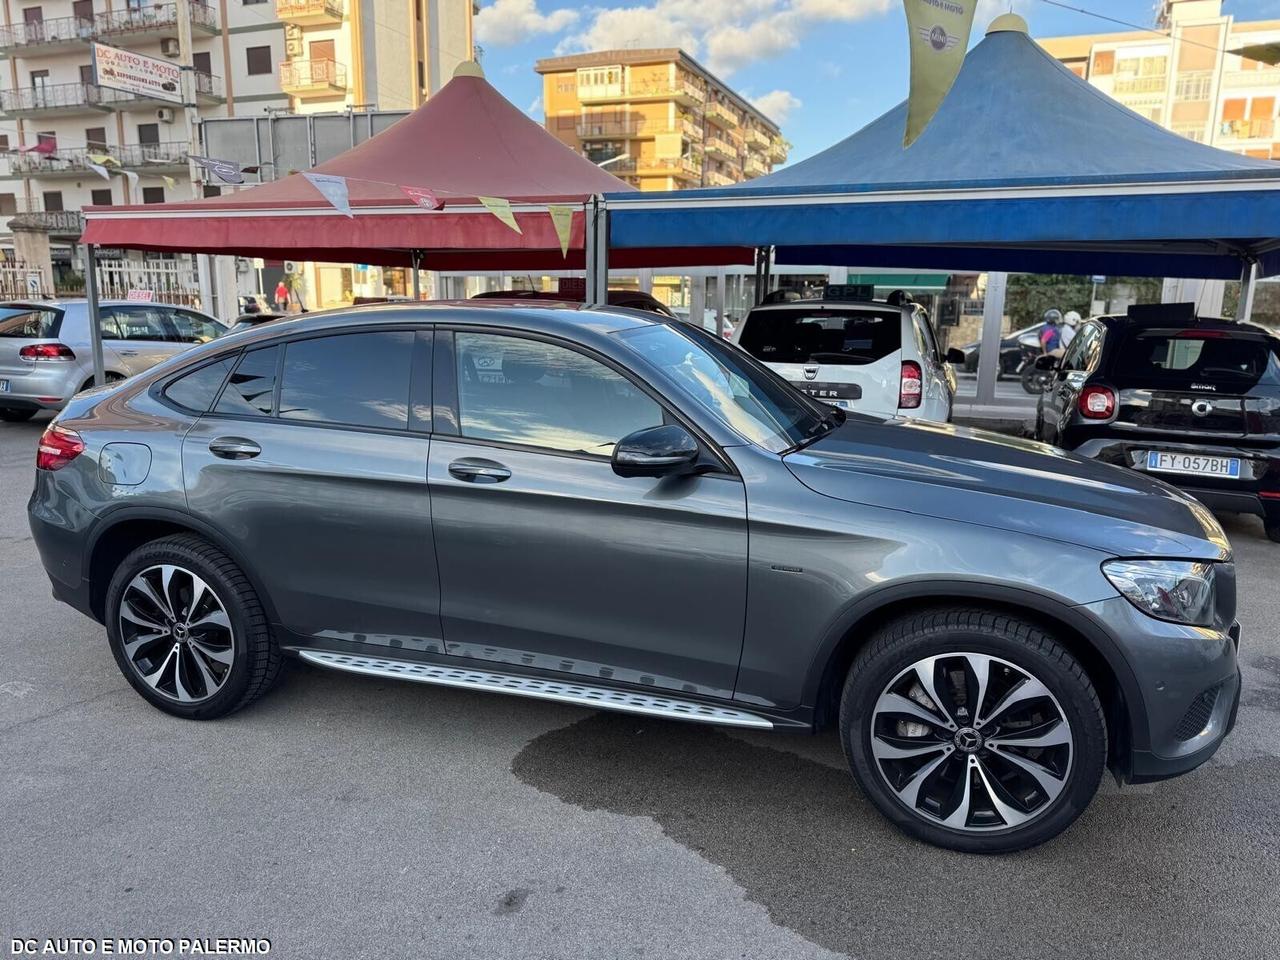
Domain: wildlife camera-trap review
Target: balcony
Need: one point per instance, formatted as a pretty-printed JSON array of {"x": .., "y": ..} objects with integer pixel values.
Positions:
[
  {"x": 682, "y": 91},
  {"x": 309, "y": 12},
  {"x": 1245, "y": 79},
  {"x": 61, "y": 99},
  {"x": 66, "y": 33},
  {"x": 778, "y": 150},
  {"x": 74, "y": 161},
  {"x": 757, "y": 139},
  {"x": 717, "y": 179},
  {"x": 681, "y": 167},
  {"x": 721, "y": 149},
  {"x": 595, "y": 129},
  {"x": 1262, "y": 129},
  {"x": 68, "y": 224},
  {"x": 1140, "y": 85},
  {"x": 304, "y": 78},
  {"x": 721, "y": 114},
  {"x": 754, "y": 167}
]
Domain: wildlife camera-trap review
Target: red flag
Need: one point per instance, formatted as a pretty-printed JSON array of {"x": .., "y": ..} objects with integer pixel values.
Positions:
[
  {"x": 45, "y": 146},
  {"x": 423, "y": 197}
]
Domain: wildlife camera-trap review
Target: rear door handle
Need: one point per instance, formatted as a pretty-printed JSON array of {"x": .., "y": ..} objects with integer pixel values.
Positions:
[
  {"x": 127, "y": 353},
  {"x": 234, "y": 448},
  {"x": 477, "y": 470}
]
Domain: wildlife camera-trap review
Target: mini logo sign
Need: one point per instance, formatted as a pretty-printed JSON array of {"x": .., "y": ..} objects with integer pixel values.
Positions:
[
  {"x": 938, "y": 38},
  {"x": 1202, "y": 408},
  {"x": 811, "y": 372}
]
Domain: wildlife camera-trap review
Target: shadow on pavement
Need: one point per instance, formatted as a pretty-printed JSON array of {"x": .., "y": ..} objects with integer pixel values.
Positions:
[{"x": 804, "y": 843}]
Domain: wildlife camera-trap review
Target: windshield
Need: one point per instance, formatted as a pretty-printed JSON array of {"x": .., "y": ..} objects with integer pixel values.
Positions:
[
  {"x": 724, "y": 381},
  {"x": 822, "y": 336},
  {"x": 30, "y": 323}
]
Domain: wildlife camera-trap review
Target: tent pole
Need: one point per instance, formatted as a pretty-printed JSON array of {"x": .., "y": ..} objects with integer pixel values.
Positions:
[
  {"x": 1248, "y": 287},
  {"x": 597, "y": 253},
  {"x": 992, "y": 324},
  {"x": 759, "y": 292},
  {"x": 95, "y": 315},
  {"x": 417, "y": 285},
  {"x": 768, "y": 269}
]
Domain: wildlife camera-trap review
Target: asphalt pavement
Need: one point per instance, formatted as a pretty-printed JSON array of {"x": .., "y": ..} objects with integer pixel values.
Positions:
[{"x": 344, "y": 817}]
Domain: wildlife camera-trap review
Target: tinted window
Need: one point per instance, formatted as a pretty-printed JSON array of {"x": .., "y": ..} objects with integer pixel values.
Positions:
[
  {"x": 29, "y": 324},
  {"x": 360, "y": 379},
  {"x": 821, "y": 336},
  {"x": 196, "y": 390},
  {"x": 251, "y": 389},
  {"x": 195, "y": 329},
  {"x": 542, "y": 395},
  {"x": 1179, "y": 357},
  {"x": 140, "y": 323}
]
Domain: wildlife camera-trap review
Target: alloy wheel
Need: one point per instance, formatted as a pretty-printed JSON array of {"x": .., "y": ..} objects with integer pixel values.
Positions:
[
  {"x": 972, "y": 742},
  {"x": 176, "y": 634}
]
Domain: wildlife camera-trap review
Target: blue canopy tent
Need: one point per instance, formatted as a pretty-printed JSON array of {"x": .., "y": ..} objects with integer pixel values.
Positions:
[{"x": 1025, "y": 168}]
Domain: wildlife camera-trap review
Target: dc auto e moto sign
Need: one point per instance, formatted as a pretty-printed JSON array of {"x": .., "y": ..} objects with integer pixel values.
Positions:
[{"x": 133, "y": 73}]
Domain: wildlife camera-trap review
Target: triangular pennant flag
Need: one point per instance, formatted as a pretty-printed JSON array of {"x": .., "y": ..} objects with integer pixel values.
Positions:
[
  {"x": 333, "y": 189},
  {"x": 423, "y": 197},
  {"x": 939, "y": 36},
  {"x": 228, "y": 171},
  {"x": 104, "y": 159},
  {"x": 502, "y": 210},
  {"x": 562, "y": 220},
  {"x": 169, "y": 182},
  {"x": 131, "y": 177},
  {"x": 100, "y": 170}
]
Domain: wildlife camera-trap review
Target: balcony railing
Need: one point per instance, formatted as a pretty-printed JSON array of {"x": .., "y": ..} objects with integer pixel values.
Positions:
[
  {"x": 754, "y": 168},
  {"x": 309, "y": 11},
  {"x": 640, "y": 89},
  {"x": 208, "y": 85},
  {"x": 1252, "y": 78},
  {"x": 76, "y": 160},
  {"x": 1141, "y": 85},
  {"x": 66, "y": 31},
  {"x": 1262, "y": 129},
  {"x": 309, "y": 76},
  {"x": 61, "y": 97},
  {"x": 722, "y": 148},
  {"x": 758, "y": 138},
  {"x": 674, "y": 166},
  {"x": 59, "y": 223},
  {"x": 717, "y": 179},
  {"x": 722, "y": 114},
  {"x": 591, "y": 129}
]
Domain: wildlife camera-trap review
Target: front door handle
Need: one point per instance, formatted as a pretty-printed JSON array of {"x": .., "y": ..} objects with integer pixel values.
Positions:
[
  {"x": 127, "y": 353},
  {"x": 234, "y": 448},
  {"x": 477, "y": 470}
]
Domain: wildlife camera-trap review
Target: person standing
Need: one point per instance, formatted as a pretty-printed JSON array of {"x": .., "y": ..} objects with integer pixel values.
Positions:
[{"x": 282, "y": 297}]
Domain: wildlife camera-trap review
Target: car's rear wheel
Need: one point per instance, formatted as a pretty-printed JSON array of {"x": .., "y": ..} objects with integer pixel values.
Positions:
[
  {"x": 1273, "y": 531},
  {"x": 188, "y": 630},
  {"x": 16, "y": 416},
  {"x": 973, "y": 730}
]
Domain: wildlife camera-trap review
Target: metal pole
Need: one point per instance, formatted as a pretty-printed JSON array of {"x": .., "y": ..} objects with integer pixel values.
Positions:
[
  {"x": 759, "y": 292},
  {"x": 768, "y": 271},
  {"x": 95, "y": 315},
  {"x": 1248, "y": 287},
  {"x": 417, "y": 286},
  {"x": 992, "y": 324},
  {"x": 597, "y": 253}
]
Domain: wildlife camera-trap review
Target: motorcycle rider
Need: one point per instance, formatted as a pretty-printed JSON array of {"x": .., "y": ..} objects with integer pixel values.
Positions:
[
  {"x": 1051, "y": 336},
  {"x": 1070, "y": 323}
]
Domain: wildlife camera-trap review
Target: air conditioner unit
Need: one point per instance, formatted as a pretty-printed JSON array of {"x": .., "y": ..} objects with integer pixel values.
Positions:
[
  {"x": 164, "y": 114},
  {"x": 169, "y": 46},
  {"x": 293, "y": 48}
]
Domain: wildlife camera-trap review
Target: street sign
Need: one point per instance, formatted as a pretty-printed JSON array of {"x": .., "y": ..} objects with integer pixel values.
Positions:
[
  {"x": 33, "y": 284},
  {"x": 1098, "y": 279},
  {"x": 133, "y": 73},
  {"x": 144, "y": 296}
]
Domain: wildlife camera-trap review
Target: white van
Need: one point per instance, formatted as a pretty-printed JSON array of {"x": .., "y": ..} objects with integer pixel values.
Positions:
[{"x": 865, "y": 356}]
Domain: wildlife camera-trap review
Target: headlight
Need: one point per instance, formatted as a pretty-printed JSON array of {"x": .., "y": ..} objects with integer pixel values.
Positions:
[{"x": 1177, "y": 590}]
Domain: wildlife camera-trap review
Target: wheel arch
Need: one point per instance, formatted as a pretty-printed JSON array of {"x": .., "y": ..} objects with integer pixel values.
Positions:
[
  {"x": 1084, "y": 637},
  {"x": 123, "y": 531}
]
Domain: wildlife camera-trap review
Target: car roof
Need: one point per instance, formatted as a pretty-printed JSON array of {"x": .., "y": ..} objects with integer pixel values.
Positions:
[
  {"x": 1116, "y": 322},
  {"x": 829, "y": 305}
]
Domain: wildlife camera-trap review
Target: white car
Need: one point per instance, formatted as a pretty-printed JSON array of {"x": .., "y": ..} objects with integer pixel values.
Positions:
[{"x": 865, "y": 356}]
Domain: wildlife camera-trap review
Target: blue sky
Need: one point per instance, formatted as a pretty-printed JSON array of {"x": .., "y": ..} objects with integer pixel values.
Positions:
[{"x": 823, "y": 68}]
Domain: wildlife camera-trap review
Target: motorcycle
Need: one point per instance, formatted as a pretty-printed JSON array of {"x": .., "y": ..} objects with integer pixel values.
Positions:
[{"x": 1034, "y": 380}]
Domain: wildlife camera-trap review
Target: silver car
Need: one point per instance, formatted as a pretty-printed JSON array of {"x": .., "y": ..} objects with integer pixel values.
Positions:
[{"x": 45, "y": 356}]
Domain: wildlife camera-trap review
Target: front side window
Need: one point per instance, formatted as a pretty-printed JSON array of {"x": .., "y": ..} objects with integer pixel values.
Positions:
[
  {"x": 747, "y": 397},
  {"x": 356, "y": 379},
  {"x": 140, "y": 323},
  {"x": 537, "y": 394},
  {"x": 251, "y": 389}
]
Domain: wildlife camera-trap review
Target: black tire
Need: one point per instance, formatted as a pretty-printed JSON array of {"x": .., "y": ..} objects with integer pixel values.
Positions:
[
  {"x": 903, "y": 642},
  {"x": 110, "y": 378},
  {"x": 16, "y": 416},
  {"x": 1273, "y": 531},
  {"x": 256, "y": 656}
]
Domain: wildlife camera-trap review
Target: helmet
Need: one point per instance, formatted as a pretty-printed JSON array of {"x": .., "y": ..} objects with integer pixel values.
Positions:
[
  {"x": 1072, "y": 318},
  {"x": 1053, "y": 316}
]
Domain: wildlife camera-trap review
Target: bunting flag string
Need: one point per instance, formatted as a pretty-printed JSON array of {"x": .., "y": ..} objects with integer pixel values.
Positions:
[
  {"x": 228, "y": 171},
  {"x": 334, "y": 189},
  {"x": 562, "y": 220},
  {"x": 501, "y": 209},
  {"x": 100, "y": 170},
  {"x": 423, "y": 197}
]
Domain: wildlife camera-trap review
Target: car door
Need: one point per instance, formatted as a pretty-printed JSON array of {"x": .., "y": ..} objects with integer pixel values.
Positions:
[
  {"x": 1060, "y": 400},
  {"x": 550, "y": 560},
  {"x": 313, "y": 463},
  {"x": 145, "y": 338}
]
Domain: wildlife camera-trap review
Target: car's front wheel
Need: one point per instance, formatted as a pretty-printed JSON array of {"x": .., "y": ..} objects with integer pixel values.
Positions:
[
  {"x": 188, "y": 630},
  {"x": 973, "y": 730}
]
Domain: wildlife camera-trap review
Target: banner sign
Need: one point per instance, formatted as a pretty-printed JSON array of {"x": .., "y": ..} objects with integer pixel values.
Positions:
[
  {"x": 133, "y": 73},
  {"x": 423, "y": 197},
  {"x": 228, "y": 171},
  {"x": 333, "y": 189},
  {"x": 938, "y": 31}
]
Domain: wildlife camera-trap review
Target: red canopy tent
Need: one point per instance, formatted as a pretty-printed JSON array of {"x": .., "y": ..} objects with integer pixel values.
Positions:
[{"x": 467, "y": 141}]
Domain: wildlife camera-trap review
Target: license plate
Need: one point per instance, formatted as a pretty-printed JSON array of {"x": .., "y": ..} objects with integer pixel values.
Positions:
[
  {"x": 1193, "y": 463},
  {"x": 4, "y": 386}
]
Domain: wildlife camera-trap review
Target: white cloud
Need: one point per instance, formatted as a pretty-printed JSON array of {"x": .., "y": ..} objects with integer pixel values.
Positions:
[
  {"x": 535, "y": 108},
  {"x": 728, "y": 33},
  {"x": 504, "y": 23},
  {"x": 777, "y": 104}
]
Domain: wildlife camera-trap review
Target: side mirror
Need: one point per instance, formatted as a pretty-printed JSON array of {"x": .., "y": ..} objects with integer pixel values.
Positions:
[
  {"x": 955, "y": 356},
  {"x": 656, "y": 452},
  {"x": 1047, "y": 362}
]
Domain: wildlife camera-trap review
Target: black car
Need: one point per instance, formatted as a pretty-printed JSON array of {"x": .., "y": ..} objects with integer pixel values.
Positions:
[{"x": 1193, "y": 401}]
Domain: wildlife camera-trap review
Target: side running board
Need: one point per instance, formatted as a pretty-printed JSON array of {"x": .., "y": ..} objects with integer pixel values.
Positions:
[{"x": 583, "y": 695}]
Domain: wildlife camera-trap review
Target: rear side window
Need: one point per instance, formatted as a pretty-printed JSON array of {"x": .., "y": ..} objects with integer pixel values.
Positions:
[
  {"x": 1178, "y": 358},
  {"x": 822, "y": 336},
  {"x": 195, "y": 391},
  {"x": 357, "y": 379},
  {"x": 141, "y": 323},
  {"x": 251, "y": 389},
  {"x": 30, "y": 324}
]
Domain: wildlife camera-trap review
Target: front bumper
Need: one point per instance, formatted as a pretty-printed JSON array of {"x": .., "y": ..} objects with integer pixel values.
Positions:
[{"x": 1188, "y": 682}]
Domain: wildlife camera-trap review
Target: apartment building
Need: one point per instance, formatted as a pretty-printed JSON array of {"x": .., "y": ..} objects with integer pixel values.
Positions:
[
  {"x": 1188, "y": 81},
  {"x": 249, "y": 57},
  {"x": 657, "y": 119}
]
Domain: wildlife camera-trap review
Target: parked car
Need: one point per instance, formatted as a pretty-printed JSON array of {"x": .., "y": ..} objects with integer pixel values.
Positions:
[
  {"x": 1011, "y": 351},
  {"x": 1195, "y": 402},
  {"x": 45, "y": 356},
  {"x": 247, "y": 320},
  {"x": 632, "y": 299},
  {"x": 866, "y": 356},
  {"x": 622, "y": 511},
  {"x": 254, "y": 303}
]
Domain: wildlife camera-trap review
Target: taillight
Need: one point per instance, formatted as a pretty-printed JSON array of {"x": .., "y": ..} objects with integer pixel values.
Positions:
[
  {"x": 911, "y": 388},
  {"x": 58, "y": 447},
  {"x": 1097, "y": 403},
  {"x": 46, "y": 351}
]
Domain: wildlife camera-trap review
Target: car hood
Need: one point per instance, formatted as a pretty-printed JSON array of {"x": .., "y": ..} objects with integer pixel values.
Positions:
[{"x": 973, "y": 476}]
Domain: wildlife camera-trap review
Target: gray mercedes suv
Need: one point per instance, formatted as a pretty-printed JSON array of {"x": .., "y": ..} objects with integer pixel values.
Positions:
[{"x": 608, "y": 508}]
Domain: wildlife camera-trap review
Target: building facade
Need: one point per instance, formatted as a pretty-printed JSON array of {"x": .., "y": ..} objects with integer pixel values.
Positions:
[
  {"x": 249, "y": 57},
  {"x": 1188, "y": 81},
  {"x": 657, "y": 119}
]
